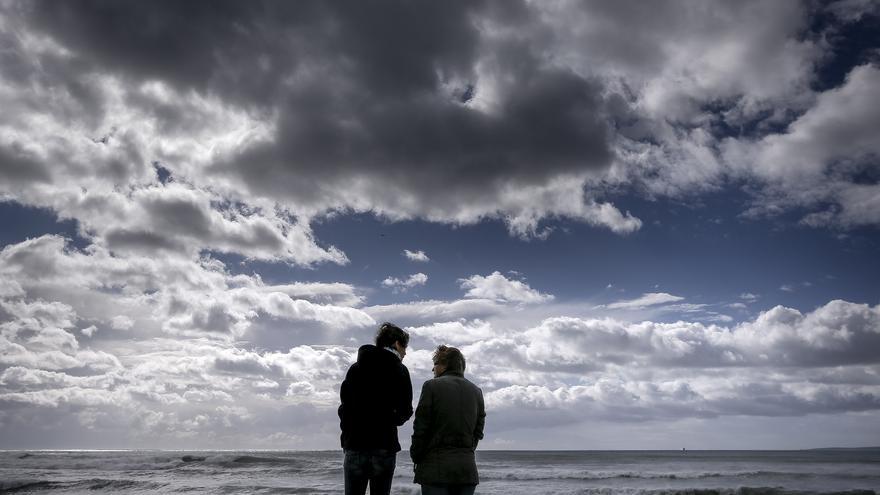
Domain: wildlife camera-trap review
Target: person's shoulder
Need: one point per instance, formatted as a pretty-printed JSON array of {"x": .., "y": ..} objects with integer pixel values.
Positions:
[
  {"x": 402, "y": 367},
  {"x": 365, "y": 351},
  {"x": 432, "y": 382},
  {"x": 443, "y": 382},
  {"x": 473, "y": 385}
]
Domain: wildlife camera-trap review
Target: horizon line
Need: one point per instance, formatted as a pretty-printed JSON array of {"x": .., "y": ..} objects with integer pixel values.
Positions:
[{"x": 871, "y": 447}]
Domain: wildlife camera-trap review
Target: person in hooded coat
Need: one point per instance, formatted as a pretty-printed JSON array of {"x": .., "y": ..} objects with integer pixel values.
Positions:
[
  {"x": 448, "y": 426},
  {"x": 376, "y": 398}
]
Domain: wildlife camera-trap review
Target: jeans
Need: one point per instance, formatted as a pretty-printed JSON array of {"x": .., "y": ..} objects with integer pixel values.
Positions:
[
  {"x": 448, "y": 489},
  {"x": 375, "y": 467}
]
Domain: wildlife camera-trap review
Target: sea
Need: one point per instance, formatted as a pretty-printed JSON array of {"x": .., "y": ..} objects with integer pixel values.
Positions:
[{"x": 824, "y": 471}]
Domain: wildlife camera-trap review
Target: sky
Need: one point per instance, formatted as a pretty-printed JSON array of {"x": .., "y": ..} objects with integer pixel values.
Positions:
[{"x": 646, "y": 226}]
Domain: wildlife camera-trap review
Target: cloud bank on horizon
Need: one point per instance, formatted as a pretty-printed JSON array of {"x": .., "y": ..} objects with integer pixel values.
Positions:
[{"x": 207, "y": 151}]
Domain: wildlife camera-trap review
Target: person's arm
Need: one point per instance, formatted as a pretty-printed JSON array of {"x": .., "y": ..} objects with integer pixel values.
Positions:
[
  {"x": 421, "y": 426},
  {"x": 345, "y": 398},
  {"x": 343, "y": 393},
  {"x": 403, "y": 409},
  {"x": 481, "y": 419}
]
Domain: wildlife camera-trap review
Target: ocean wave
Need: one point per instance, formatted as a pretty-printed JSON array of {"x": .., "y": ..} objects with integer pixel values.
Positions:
[
  {"x": 258, "y": 489},
  {"x": 9, "y": 486},
  {"x": 233, "y": 460},
  {"x": 253, "y": 459},
  {"x": 254, "y": 464},
  {"x": 58, "y": 462},
  {"x": 109, "y": 485},
  {"x": 597, "y": 475}
]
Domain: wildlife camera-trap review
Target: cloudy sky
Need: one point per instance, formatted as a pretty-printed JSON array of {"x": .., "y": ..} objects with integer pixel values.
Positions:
[{"x": 645, "y": 225}]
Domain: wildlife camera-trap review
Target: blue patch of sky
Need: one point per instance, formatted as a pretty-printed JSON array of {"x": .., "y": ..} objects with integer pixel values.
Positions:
[
  {"x": 702, "y": 250},
  {"x": 851, "y": 44},
  {"x": 20, "y": 222},
  {"x": 763, "y": 123},
  {"x": 706, "y": 251},
  {"x": 162, "y": 173}
]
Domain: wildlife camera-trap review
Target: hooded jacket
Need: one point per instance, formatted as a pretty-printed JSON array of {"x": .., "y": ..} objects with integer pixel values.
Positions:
[
  {"x": 376, "y": 398},
  {"x": 449, "y": 424}
]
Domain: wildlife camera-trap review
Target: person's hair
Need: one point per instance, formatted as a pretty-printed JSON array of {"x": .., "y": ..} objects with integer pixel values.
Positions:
[
  {"x": 389, "y": 333},
  {"x": 450, "y": 357}
]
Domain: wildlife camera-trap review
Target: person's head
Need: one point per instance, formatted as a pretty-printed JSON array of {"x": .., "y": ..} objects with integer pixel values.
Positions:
[
  {"x": 390, "y": 335},
  {"x": 447, "y": 359}
]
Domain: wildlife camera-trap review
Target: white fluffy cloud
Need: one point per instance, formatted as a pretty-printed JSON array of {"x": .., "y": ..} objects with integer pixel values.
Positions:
[
  {"x": 416, "y": 255},
  {"x": 689, "y": 71},
  {"x": 817, "y": 160},
  {"x": 177, "y": 295},
  {"x": 496, "y": 286},
  {"x": 173, "y": 216},
  {"x": 672, "y": 66},
  {"x": 184, "y": 390},
  {"x": 646, "y": 300},
  {"x": 454, "y": 332},
  {"x": 426, "y": 312},
  {"x": 836, "y": 334},
  {"x": 104, "y": 167},
  {"x": 839, "y": 126},
  {"x": 557, "y": 370},
  {"x": 783, "y": 363},
  {"x": 414, "y": 280}
]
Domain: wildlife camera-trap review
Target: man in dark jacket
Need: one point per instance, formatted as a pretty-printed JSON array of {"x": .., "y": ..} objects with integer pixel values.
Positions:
[
  {"x": 376, "y": 398},
  {"x": 449, "y": 424}
]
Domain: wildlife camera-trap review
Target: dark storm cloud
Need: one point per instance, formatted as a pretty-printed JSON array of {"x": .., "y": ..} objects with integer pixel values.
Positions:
[
  {"x": 451, "y": 111},
  {"x": 17, "y": 165},
  {"x": 140, "y": 241},
  {"x": 228, "y": 47},
  {"x": 246, "y": 50},
  {"x": 407, "y": 99},
  {"x": 774, "y": 400},
  {"x": 548, "y": 125},
  {"x": 22, "y": 67}
]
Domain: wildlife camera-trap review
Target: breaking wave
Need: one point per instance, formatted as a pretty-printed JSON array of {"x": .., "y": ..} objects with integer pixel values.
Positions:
[{"x": 108, "y": 485}]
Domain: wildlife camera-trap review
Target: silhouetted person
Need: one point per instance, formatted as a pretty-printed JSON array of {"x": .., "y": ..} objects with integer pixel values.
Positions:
[
  {"x": 376, "y": 398},
  {"x": 449, "y": 424}
]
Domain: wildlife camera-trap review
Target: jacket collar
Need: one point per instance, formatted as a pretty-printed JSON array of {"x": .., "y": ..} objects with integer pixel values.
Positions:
[
  {"x": 393, "y": 351},
  {"x": 452, "y": 373}
]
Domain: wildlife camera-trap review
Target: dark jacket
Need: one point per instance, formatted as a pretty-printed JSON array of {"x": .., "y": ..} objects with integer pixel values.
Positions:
[
  {"x": 376, "y": 398},
  {"x": 448, "y": 425}
]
